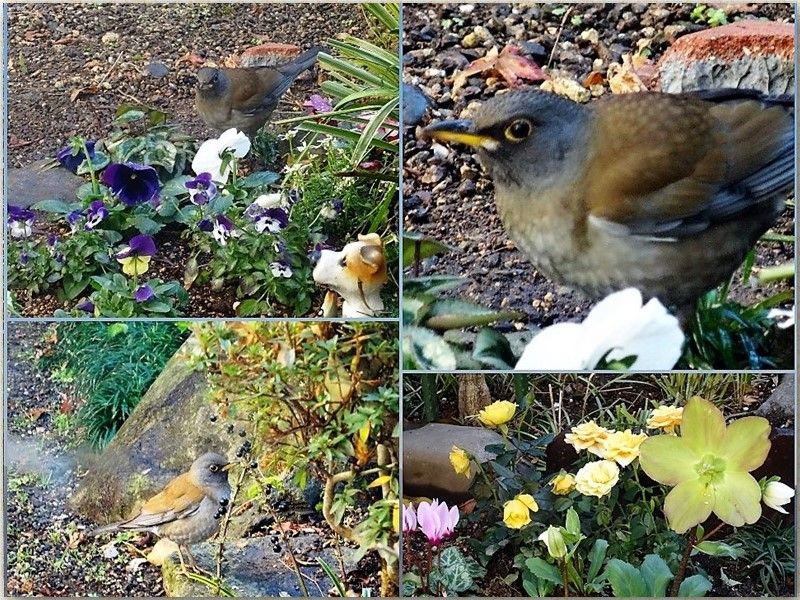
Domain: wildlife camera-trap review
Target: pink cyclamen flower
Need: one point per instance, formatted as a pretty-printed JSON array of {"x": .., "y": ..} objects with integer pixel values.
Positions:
[
  {"x": 437, "y": 521},
  {"x": 409, "y": 519}
]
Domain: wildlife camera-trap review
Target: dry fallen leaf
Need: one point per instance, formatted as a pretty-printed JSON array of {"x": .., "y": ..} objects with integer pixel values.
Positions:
[
  {"x": 192, "y": 58},
  {"x": 509, "y": 64},
  {"x": 569, "y": 88}
]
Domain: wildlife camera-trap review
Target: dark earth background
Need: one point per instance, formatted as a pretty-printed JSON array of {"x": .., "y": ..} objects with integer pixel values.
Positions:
[{"x": 450, "y": 199}]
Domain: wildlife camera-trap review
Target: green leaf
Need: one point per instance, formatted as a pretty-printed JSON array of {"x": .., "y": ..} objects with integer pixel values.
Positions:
[
  {"x": 56, "y": 206},
  {"x": 418, "y": 247},
  {"x": 129, "y": 116},
  {"x": 73, "y": 287},
  {"x": 573, "y": 522},
  {"x": 146, "y": 225},
  {"x": 719, "y": 549},
  {"x": 260, "y": 178},
  {"x": 433, "y": 284},
  {"x": 426, "y": 350},
  {"x": 625, "y": 579},
  {"x": 543, "y": 570},
  {"x": 492, "y": 348},
  {"x": 695, "y": 586},
  {"x": 456, "y": 314},
  {"x": 656, "y": 575},
  {"x": 596, "y": 557}
]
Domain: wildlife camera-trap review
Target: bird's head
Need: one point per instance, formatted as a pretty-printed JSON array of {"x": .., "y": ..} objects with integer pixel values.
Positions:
[
  {"x": 210, "y": 81},
  {"x": 519, "y": 135},
  {"x": 210, "y": 473}
]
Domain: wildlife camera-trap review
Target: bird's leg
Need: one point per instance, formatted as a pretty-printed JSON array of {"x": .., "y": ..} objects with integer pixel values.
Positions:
[
  {"x": 183, "y": 564},
  {"x": 193, "y": 564}
]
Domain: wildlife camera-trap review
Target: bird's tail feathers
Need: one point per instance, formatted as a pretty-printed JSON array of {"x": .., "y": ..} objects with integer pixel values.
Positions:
[
  {"x": 111, "y": 527},
  {"x": 302, "y": 62}
]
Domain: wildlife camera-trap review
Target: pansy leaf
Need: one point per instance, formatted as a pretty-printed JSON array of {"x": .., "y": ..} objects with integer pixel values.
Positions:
[
  {"x": 74, "y": 287},
  {"x": 146, "y": 225},
  {"x": 694, "y": 587},
  {"x": 415, "y": 246},
  {"x": 258, "y": 179},
  {"x": 56, "y": 206}
]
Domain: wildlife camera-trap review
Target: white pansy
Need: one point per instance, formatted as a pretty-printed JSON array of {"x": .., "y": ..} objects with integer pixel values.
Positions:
[
  {"x": 209, "y": 156},
  {"x": 619, "y": 326},
  {"x": 783, "y": 318},
  {"x": 280, "y": 270}
]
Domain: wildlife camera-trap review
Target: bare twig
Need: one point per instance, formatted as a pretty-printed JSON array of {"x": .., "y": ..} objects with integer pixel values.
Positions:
[
  {"x": 223, "y": 531},
  {"x": 558, "y": 36}
]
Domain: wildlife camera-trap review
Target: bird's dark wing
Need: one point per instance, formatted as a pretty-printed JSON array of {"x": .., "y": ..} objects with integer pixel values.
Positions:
[{"x": 668, "y": 166}]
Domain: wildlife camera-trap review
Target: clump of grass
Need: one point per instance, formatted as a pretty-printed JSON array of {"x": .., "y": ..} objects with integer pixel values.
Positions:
[
  {"x": 111, "y": 365},
  {"x": 769, "y": 551}
]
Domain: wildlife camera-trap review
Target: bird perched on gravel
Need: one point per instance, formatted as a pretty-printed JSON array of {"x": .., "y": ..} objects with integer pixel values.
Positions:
[
  {"x": 664, "y": 193},
  {"x": 245, "y": 98},
  {"x": 188, "y": 509}
]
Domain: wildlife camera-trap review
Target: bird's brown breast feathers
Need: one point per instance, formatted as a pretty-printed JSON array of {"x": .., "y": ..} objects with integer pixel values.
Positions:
[{"x": 250, "y": 86}]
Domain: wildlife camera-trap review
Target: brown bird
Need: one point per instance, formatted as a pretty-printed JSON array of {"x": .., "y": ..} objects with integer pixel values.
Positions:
[
  {"x": 664, "y": 193},
  {"x": 245, "y": 98},
  {"x": 188, "y": 509}
]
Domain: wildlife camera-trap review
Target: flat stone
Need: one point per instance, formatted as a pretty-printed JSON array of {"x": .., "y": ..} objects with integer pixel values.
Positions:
[
  {"x": 268, "y": 55},
  {"x": 749, "y": 54},
  {"x": 157, "y": 70},
  {"x": 426, "y": 458},
  {"x": 32, "y": 184},
  {"x": 415, "y": 104},
  {"x": 252, "y": 568}
]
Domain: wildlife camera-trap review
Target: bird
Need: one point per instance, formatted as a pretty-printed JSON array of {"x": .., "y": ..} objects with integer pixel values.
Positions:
[
  {"x": 662, "y": 192},
  {"x": 188, "y": 509},
  {"x": 245, "y": 98}
]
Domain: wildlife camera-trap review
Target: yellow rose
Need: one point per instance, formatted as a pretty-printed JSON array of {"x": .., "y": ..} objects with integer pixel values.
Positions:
[
  {"x": 666, "y": 418},
  {"x": 517, "y": 512},
  {"x": 623, "y": 446},
  {"x": 563, "y": 484},
  {"x": 588, "y": 436},
  {"x": 597, "y": 478},
  {"x": 460, "y": 461},
  {"x": 135, "y": 265},
  {"x": 497, "y": 413}
]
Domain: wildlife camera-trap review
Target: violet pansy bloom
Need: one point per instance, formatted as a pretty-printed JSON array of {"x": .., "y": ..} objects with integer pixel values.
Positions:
[
  {"x": 73, "y": 219},
  {"x": 86, "y": 306},
  {"x": 20, "y": 221},
  {"x": 281, "y": 269},
  {"x": 270, "y": 219},
  {"x": 135, "y": 257},
  {"x": 71, "y": 157},
  {"x": 132, "y": 183},
  {"x": 201, "y": 189},
  {"x": 143, "y": 293},
  {"x": 96, "y": 212},
  {"x": 332, "y": 209},
  {"x": 317, "y": 104}
]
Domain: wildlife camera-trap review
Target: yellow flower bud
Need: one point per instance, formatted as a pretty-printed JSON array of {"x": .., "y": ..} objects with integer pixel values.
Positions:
[
  {"x": 460, "y": 461},
  {"x": 563, "y": 484},
  {"x": 497, "y": 413}
]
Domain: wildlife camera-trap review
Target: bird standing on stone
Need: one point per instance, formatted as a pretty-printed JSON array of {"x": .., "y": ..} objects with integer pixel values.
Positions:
[
  {"x": 665, "y": 193},
  {"x": 245, "y": 98},
  {"x": 188, "y": 509}
]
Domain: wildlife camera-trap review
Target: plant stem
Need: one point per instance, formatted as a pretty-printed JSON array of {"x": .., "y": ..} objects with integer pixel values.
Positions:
[
  {"x": 295, "y": 565},
  {"x": 90, "y": 166},
  {"x": 564, "y": 579},
  {"x": 676, "y": 584},
  {"x": 224, "y": 529}
]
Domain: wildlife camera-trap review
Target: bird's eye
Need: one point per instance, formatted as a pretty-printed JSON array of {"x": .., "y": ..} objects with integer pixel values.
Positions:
[
  {"x": 343, "y": 262},
  {"x": 213, "y": 468},
  {"x": 518, "y": 130}
]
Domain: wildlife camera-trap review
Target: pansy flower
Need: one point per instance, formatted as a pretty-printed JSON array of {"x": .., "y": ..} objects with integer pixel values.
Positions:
[
  {"x": 209, "y": 156},
  {"x": 135, "y": 257},
  {"x": 86, "y": 306},
  {"x": 132, "y": 183},
  {"x": 281, "y": 269},
  {"x": 72, "y": 156},
  {"x": 316, "y": 252},
  {"x": 332, "y": 209},
  {"x": 143, "y": 293},
  {"x": 293, "y": 196},
  {"x": 221, "y": 227},
  {"x": 201, "y": 189},
  {"x": 74, "y": 219},
  {"x": 317, "y": 104},
  {"x": 96, "y": 212},
  {"x": 20, "y": 221},
  {"x": 271, "y": 219}
]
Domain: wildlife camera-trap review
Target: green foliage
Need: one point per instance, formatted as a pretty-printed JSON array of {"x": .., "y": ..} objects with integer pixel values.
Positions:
[
  {"x": 29, "y": 266},
  {"x": 713, "y": 17},
  {"x": 455, "y": 573},
  {"x": 114, "y": 297},
  {"x": 427, "y": 315},
  {"x": 111, "y": 366},
  {"x": 769, "y": 557}
]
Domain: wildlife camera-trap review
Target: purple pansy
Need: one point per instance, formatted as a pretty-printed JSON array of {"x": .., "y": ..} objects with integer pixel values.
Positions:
[
  {"x": 269, "y": 219},
  {"x": 86, "y": 306},
  {"x": 72, "y": 157},
  {"x": 222, "y": 229},
  {"x": 317, "y": 104},
  {"x": 316, "y": 251},
  {"x": 24, "y": 258},
  {"x": 143, "y": 293},
  {"x": 140, "y": 245},
  {"x": 201, "y": 189},
  {"x": 280, "y": 269},
  {"x": 96, "y": 212},
  {"x": 20, "y": 221},
  {"x": 74, "y": 219},
  {"x": 132, "y": 183},
  {"x": 293, "y": 196}
]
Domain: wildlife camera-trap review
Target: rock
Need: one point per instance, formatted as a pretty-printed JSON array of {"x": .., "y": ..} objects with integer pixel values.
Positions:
[
  {"x": 477, "y": 37},
  {"x": 747, "y": 54},
  {"x": 268, "y": 55},
  {"x": 415, "y": 104},
  {"x": 157, "y": 70},
  {"x": 29, "y": 185},
  {"x": 426, "y": 458},
  {"x": 168, "y": 429},
  {"x": 110, "y": 38},
  {"x": 781, "y": 403},
  {"x": 252, "y": 568}
]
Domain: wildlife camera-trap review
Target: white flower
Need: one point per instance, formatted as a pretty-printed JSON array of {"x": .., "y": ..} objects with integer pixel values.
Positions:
[
  {"x": 19, "y": 229},
  {"x": 784, "y": 318},
  {"x": 616, "y": 328},
  {"x": 269, "y": 200},
  {"x": 280, "y": 270},
  {"x": 209, "y": 160},
  {"x": 776, "y": 494}
]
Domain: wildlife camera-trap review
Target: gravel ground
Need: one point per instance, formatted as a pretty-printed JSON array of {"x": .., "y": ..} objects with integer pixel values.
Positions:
[
  {"x": 48, "y": 552},
  {"x": 451, "y": 200},
  {"x": 72, "y": 65}
]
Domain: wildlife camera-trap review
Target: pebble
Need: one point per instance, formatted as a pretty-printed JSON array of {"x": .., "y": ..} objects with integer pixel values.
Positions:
[{"x": 110, "y": 38}]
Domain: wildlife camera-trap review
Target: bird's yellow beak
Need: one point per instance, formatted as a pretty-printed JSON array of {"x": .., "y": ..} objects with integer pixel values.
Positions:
[
  {"x": 460, "y": 132},
  {"x": 229, "y": 466}
]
